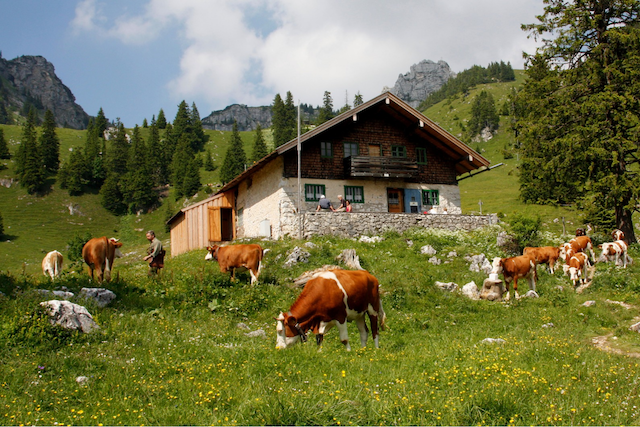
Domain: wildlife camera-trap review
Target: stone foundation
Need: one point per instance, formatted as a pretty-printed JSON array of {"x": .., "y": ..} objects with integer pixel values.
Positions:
[{"x": 356, "y": 224}]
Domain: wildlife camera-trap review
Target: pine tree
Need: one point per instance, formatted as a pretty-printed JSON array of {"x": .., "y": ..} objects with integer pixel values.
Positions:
[
  {"x": 326, "y": 112},
  {"x": 137, "y": 187},
  {"x": 279, "y": 121},
  {"x": 162, "y": 120},
  {"x": 101, "y": 123},
  {"x": 158, "y": 165},
  {"x": 4, "y": 149},
  {"x": 259, "y": 146},
  {"x": 118, "y": 153},
  {"x": 191, "y": 182},
  {"x": 31, "y": 172},
  {"x": 111, "y": 196},
  {"x": 291, "y": 118},
  {"x": 198, "y": 131},
  {"x": 74, "y": 172},
  {"x": 95, "y": 173},
  {"x": 145, "y": 124},
  {"x": 235, "y": 159},
  {"x": 181, "y": 158},
  {"x": 483, "y": 114},
  {"x": 209, "y": 166},
  {"x": 357, "y": 100},
  {"x": 49, "y": 144}
]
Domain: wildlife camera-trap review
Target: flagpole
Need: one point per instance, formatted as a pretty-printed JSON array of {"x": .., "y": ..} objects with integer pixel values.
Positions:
[{"x": 299, "y": 183}]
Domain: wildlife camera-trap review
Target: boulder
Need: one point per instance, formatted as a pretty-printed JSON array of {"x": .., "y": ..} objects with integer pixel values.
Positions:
[
  {"x": 101, "y": 296},
  {"x": 58, "y": 294},
  {"x": 449, "y": 286},
  {"x": 635, "y": 327},
  {"x": 70, "y": 316},
  {"x": 435, "y": 261},
  {"x": 471, "y": 291},
  {"x": 479, "y": 263},
  {"x": 427, "y": 250},
  {"x": 297, "y": 255}
]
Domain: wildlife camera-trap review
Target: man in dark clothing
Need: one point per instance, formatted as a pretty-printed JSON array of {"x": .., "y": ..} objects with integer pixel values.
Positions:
[
  {"x": 324, "y": 203},
  {"x": 155, "y": 253}
]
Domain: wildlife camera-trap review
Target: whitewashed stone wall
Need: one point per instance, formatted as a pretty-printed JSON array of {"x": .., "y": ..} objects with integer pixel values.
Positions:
[{"x": 357, "y": 224}]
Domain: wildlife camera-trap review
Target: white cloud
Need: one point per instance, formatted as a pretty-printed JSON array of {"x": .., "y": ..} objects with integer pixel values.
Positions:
[{"x": 308, "y": 47}]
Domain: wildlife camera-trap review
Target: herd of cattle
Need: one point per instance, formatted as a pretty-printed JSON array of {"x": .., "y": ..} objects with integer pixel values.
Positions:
[
  {"x": 574, "y": 254},
  {"x": 335, "y": 297}
]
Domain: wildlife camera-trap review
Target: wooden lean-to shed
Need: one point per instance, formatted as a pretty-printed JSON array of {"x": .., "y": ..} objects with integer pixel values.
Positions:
[{"x": 211, "y": 220}]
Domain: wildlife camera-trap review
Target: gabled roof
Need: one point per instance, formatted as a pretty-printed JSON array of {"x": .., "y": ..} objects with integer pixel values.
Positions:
[{"x": 466, "y": 158}]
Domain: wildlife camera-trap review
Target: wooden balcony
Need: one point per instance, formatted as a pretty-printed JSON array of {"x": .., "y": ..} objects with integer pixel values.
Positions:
[{"x": 380, "y": 167}]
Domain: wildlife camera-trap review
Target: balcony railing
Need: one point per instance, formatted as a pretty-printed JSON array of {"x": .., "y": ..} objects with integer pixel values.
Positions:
[{"x": 381, "y": 167}]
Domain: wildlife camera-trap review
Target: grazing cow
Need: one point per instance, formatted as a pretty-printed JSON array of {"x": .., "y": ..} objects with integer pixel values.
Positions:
[
  {"x": 523, "y": 266},
  {"x": 331, "y": 298},
  {"x": 52, "y": 264},
  {"x": 617, "y": 234},
  {"x": 576, "y": 266},
  {"x": 238, "y": 256},
  {"x": 617, "y": 250},
  {"x": 577, "y": 244},
  {"x": 544, "y": 255},
  {"x": 99, "y": 254}
]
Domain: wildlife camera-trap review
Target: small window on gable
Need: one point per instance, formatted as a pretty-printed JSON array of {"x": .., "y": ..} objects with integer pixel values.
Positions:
[
  {"x": 354, "y": 194},
  {"x": 326, "y": 149},
  {"x": 421, "y": 154},
  {"x": 398, "y": 151},
  {"x": 312, "y": 192},
  {"x": 430, "y": 197},
  {"x": 350, "y": 149}
]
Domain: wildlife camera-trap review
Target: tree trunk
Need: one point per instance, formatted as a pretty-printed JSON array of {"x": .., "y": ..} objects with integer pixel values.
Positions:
[{"x": 625, "y": 223}]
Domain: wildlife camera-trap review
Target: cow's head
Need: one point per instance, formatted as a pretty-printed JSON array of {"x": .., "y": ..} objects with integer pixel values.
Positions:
[
  {"x": 566, "y": 251},
  {"x": 497, "y": 265},
  {"x": 212, "y": 253},
  {"x": 117, "y": 244},
  {"x": 288, "y": 332},
  {"x": 575, "y": 274},
  {"x": 617, "y": 235}
]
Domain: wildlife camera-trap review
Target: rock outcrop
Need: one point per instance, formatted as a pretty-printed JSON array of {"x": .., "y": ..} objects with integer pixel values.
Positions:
[
  {"x": 423, "y": 79},
  {"x": 32, "y": 81}
]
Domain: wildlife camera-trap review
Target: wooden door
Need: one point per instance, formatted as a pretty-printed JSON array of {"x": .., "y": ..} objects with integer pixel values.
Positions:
[
  {"x": 220, "y": 224},
  {"x": 395, "y": 200},
  {"x": 374, "y": 150}
]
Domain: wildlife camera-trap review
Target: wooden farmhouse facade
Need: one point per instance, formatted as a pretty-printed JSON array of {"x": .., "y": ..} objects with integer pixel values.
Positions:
[{"x": 382, "y": 156}]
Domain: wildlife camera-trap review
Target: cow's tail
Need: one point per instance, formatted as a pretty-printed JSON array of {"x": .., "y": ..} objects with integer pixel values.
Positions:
[
  {"x": 382, "y": 317},
  {"x": 264, "y": 251}
]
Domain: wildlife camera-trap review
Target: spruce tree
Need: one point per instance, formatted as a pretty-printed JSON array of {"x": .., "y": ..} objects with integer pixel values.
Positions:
[
  {"x": 209, "y": 166},
  {"x": 191, "y": 182},
  {"x": 138, "y": 183},
  {"x": 161, "y": 121},
  {"x": 158, "y": 166},
  {"x": 279, "y": 121},
  {"x": 181, "y": 158},
  {"x": 101, "y": 123},
  {"x": 118, "y": 152},
  {"x": 95, "y": 173},
  {"x": 31, "y": 172},
  {"x": 4, "y": 149},
  {"x": 291, "y": 118},
  {"x": 483, "y": 114},
  {"x": 259, "y": 146},
  {"x": 74, "y": 172},
  {"x": 326, "y": 112},
  {"x": 111, "y": 196},
  {"x": 235, "y": 159},
  {"x": 49, "y": 144},
  {"x": 357, "y": 100},
  {"x": 198, "y": 130}
]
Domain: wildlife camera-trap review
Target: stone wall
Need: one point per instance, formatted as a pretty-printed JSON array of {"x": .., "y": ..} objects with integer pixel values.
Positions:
[{"x": 357, "y": 224}]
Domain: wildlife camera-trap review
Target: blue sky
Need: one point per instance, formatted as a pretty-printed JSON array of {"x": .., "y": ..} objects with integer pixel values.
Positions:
[{"x": 133, "y": 58}]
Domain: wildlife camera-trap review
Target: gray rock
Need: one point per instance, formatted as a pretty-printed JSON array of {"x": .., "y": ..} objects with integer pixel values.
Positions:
[
  {"x": 471, "y": 291},
  {"x": 493, "y": 341},
  {"x": 422, "y": 80},
  {"x": 448, "y": 286},
  {"x": 435, "y": 261},
  {"x": 70, "y": 316},
  {"x": 296, "y": 256},
  {"x": 101, "y": 296},
  {"x": 427, "y": 250},
  {"x": 257, "y": 333},
  {"x": 589, "y": 303},
  {"x": 635, "y": 327},
  {"x": 59, "y": 294}
]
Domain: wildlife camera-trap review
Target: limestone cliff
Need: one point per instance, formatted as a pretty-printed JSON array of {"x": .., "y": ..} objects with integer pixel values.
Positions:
[{"x": 423, "y": 79}]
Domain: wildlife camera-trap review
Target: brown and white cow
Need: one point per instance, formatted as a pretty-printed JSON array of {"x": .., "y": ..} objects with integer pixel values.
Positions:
[
  {"x": 617, "y": 234},
  {"x": 577, "y": 244},
  {"x": 576, "y": 267},
  {"x": 615, "y": 250},
  {"x": 238, "y": 256},
  {"x": 544, "y": 255},
  {"x": 52, "y": 264},
  {"x": 333, "y": 298},
  {"x": 99, "y": 254},
  {"x": 514, "y": 268}
]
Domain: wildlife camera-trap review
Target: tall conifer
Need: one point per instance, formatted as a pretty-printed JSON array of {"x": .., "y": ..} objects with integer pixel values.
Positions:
[
  {"x": 279, "y": 121},
  {"x": 31, "y": 172},
  {"x": 235, "y": 159},
  {"x": 101, "y": 123},
  {"x": 138, "y": 186},
  {"x": 49, "y": 144},
  {"x": 4, "y": 149},
  {"x": 259, "y": 146},
  {"x": 162, "y": 120}
]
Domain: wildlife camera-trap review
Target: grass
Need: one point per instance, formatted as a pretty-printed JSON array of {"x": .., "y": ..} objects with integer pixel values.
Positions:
[{"x": 170, "y": 351}]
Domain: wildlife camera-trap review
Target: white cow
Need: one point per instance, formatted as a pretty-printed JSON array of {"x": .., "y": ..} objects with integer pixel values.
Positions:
[{"x": 52, "y": 264}]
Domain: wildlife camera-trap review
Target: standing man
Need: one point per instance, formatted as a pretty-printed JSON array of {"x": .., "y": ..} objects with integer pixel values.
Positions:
[{"x": 155, "y": 253}]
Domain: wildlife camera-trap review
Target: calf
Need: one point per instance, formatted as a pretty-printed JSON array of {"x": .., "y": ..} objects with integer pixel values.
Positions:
[
  {"x": 238, "y": 256},
  {"x": 52, "y": 264},
  {"x": 523, "y": 266},
  {"x": 576, "y": 266},
  {"x": 99, "y": 254},
  {"x": 544, "y": 255},
  {"x": 331, "y": 298},
  {"x": 616, "y": 250},
  {"x": 577, "y": 244}
]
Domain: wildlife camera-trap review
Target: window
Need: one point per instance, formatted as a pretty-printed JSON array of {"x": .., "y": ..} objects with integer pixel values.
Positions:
[
  {"x": 326, "y": 149},
  {"x": 430, "y": 197},
  {"x": 312, "y": 192},
  {"x": 421, "y": 153},
  {"x": 398, "y": 151},
  {"x": 350, "y": 149},
  {"x": 354, "y": 194}
]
